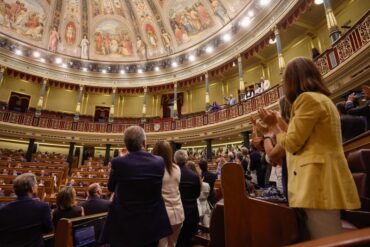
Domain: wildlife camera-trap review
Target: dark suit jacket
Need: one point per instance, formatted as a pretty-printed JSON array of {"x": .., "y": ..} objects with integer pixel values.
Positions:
[
  {"x": 23, "y": 222},
  {"x": 352, "y": 126},
  {"x": 190, "y": 191},
  {"x": 95, "y": 205},
  {"x": 210, "y": 178},
  {"x": 137, "y": 215},
  {"x": 363, "y": 110}
]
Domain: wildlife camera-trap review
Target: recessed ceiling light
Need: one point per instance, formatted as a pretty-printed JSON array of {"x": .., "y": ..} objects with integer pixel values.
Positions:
[
  {"x": 64, "y": 65},
  {"x": 191, "y": 58},
  {"x": 36, "y": 54},
  {"x": 156, "y": 68},
  {"x": 18, "y": 52},
  {"x": 272, "y": 41},
  {"x": 104, "y": 71},
  {"x": 58, "y": 60},
  {"x": 226, "y": 37},
  {"x": 318, "y": 2},
  {"x": 245, "y": 21},
  {"x": 140, "y": 71},
  {"x": 84, "y": 69},
  {"x": 209, "y": 49},
  {"x": 250, "y": 13},
  {"x": 174, "y": 64},
  {"x": 122, "y": 71},
  {"x": 264, "y": 2},
  {"x": 42, "y": 60}
]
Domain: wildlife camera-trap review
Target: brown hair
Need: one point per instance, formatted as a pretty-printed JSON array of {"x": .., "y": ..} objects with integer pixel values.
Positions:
[
  {"x": 192, "y": 166},
  {"x": 301, "y": 75},
  {"x": 164, "y": 149},
  {"x": 66, "y": 198}
]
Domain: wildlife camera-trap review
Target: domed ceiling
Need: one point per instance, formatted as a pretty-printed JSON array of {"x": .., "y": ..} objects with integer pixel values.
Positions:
[{"x": 116, "y": 30}]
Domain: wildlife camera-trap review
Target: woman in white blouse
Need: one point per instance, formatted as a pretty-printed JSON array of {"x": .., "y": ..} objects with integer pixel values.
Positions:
[{"x": 170, "y": 193}]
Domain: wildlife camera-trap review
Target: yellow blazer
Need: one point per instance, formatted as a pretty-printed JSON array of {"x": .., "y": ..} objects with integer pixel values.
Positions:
[{"x": 318, "y": 173}]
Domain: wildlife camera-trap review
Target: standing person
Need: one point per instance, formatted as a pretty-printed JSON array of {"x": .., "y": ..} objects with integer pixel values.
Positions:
[
  {"x": 190, "y": 191},
  {"x": 319, "y": 180},
  {"x": 137, "y": 215},
  {"x": 24, "y": 221},
  {"x": 170, "y": 192},
  {"x": 85, "y": 47},
  {"x": 209, "y": 178}
]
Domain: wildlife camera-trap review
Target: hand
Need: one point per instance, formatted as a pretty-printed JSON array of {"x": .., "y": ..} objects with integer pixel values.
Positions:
[
  {"x": 351, "y": 97},
  {"x": 262, "y": 127},
  {"x": 268, "y": 117}
]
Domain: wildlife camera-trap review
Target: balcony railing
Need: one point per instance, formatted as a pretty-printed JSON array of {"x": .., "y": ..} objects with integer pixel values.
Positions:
[
  {"x": 344, "y": 48},
  {"x": 202, "y": 119}
]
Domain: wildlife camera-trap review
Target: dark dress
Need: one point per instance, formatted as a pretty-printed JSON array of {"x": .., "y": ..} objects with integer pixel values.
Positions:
[
  {"x": 137, "y": 216},
  {"x": 72, "y": 212},
  {"x": 210, "y": 178},
  {"x": 190, "y": 191},
  {"x": 23, "y": 222}
]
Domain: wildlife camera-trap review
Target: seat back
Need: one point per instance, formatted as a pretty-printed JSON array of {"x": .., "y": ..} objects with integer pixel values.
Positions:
[
  {"x": 359, "y": 164},
  {"x": 216, "y": 227},
  {"x": 253, "y": 222}
]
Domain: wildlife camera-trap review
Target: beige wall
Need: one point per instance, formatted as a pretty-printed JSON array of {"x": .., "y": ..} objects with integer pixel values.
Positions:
[
  {"x": 62, "y": 100},
  {"x": 13, "y": 144}
]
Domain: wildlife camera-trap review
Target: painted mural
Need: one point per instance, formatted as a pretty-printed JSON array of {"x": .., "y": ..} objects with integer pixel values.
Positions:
[
  {"x": 25, "y": 17},
  {"x": 188, "y": 19},
  {"x": 120, "y": 30},
  {"x": 111, "y": 39},
  {"x": 107, "y": 7}
]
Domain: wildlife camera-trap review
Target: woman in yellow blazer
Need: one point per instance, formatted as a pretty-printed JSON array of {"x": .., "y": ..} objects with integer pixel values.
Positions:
[{"x": 319, "y": 180}]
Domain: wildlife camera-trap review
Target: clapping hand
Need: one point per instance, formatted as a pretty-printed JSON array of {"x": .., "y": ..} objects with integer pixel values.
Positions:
[{"x": 270, "y": 118}]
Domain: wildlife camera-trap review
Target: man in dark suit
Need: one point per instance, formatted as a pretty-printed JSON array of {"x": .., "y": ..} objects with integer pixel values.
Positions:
[
  {"x": 363, "y": 109},
  {"x": 190, "y": 191},
  {"x": 209, "y": 178},
  {"x": 94, "y": 203},
  {"x": 24, "y": 221},
  {"x": 137, "y": 215}
]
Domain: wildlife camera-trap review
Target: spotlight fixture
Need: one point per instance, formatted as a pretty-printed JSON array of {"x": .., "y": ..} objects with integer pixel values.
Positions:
[
  {"x": 265, "y": 2},
  {"x": 156, "y": 68},
  {"x": 234, "y": 64},
  {"x": 58, "y": 60},
  {"x": 174, "y": 64},
  {"x": 209, "y": 49},
  {"x": 18, "y": 52},
  {"x": 84, "y": 69},
  {"x": 245, "y": 22},
  {"x": 140, "y": 71},
  {"x": 250, "y": 13},
  {"x": 318, "y": 2},
  {"x": 36, "y": 54},
  {"x": 42, "y": 60},
  {"x": 122, "y": 71},
  {"x": 272, "y": 41},
  {"x": 64, "y": 65},
  {"x": 104, "y": 71},
  {"x": 226, "y": 37},
  {"x": 191, "y": 58}
]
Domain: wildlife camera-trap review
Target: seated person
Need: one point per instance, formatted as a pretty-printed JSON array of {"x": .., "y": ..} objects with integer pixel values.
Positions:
[
  {"x": 94, "y": 203},
  {"x": 363, "y": 109},
  {"x": 66, "y": 205},
  {"x": 351, "y": 126},
  {"x": 230, "y": 100},
  {"x": 24, "y": 221}
]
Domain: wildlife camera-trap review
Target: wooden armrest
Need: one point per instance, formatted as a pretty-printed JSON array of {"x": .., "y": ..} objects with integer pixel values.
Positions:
[{"x": 351, "y": 238}]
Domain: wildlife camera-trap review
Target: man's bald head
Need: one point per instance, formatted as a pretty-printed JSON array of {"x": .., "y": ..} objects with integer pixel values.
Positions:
[
  {"x": 94, "y": 189},
  {"x": 134, "y": 138}
]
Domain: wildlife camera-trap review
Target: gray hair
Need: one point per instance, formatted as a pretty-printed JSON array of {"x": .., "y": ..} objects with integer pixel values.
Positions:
[
  {"x": 24, "y": 183},
  {"x": 93, "y": 189},
  {"x": 134, "y": 138},
  {"x": 180, "y": 157}
]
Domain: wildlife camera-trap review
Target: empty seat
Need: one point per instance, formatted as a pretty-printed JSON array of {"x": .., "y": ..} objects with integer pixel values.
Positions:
[{"x": 359, "y": 164}]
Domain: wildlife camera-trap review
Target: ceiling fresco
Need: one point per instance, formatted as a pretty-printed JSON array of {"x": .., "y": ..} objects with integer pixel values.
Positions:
[{"x": 115, "y": 30}]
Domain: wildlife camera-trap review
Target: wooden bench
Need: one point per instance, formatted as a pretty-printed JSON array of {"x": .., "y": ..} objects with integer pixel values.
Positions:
[{"x": 253, "y": 222}]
